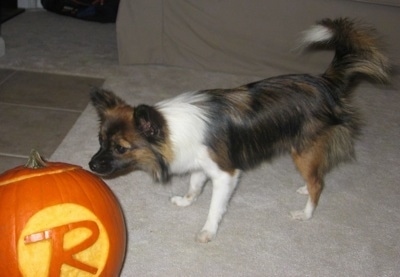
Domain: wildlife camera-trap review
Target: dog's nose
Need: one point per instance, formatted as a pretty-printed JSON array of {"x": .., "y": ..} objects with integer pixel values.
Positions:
[
  {"x": 96, "y": 166},
  {"x": 93, "y": 166},
  {"x": 101, "y": 167}
]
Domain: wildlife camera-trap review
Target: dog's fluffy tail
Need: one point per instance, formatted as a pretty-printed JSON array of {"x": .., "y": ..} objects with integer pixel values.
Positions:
[{"x": 356, "y": 49}]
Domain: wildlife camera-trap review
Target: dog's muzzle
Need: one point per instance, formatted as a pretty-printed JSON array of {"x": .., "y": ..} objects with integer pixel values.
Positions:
[{"x": 100, "y": 163}]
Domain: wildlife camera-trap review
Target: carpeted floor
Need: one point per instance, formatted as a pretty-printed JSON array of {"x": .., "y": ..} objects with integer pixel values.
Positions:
[{"x": 356, "y": 228}]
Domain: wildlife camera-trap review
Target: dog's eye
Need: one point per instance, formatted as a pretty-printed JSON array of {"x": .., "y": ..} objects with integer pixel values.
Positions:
[{"x": 120, "y": 149}]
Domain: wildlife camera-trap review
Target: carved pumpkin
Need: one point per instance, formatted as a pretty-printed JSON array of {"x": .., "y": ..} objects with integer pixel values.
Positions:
[{"x": 58, "y": 219}]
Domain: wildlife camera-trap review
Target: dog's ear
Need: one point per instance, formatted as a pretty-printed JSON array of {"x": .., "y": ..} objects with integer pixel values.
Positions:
[
  {"x": 104, "y": 100},
  {"x": 149, "y": 122}
]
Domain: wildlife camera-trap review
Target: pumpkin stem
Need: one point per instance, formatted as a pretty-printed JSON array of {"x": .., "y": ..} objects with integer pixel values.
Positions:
[{"x": 35, "y": 161}]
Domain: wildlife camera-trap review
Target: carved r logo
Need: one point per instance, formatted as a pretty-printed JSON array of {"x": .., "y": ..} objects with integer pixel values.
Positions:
[
  {"x": 63, "y": 240},
  {"x": 65, "y": 256}
]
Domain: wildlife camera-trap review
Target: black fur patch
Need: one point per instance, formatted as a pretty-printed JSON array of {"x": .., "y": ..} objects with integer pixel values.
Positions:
[
  {"x": 150, "y": 123},
  {"x": 278, "y": 114}
]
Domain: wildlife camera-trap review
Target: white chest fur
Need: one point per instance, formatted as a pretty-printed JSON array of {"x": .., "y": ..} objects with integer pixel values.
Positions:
[{"x": 187, "y": 123}]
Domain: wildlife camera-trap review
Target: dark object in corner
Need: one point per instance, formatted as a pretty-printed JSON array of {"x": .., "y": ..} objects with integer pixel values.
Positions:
[
  {"x": 104, "y": 11},
  {"x": 9, "y": 9}
]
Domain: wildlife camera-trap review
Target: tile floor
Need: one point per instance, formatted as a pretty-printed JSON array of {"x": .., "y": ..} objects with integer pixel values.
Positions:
[{"x": 37, "y": 110}]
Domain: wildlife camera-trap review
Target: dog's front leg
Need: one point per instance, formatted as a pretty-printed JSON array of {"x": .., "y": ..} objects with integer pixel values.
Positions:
[
  {"x": 223, "y": 186},
  {"x": 197, "y": 182}
]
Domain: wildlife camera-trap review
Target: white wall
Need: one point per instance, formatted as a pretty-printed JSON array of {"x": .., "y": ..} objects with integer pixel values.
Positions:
[{"x": 29, "y": 4}]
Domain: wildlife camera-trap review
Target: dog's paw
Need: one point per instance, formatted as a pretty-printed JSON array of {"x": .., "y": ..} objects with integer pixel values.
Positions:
[
  {"x": 302, "y": 190},
  {"x": 205, "y": 236},
  {"x": 181, "y": 201},
  {"x": 300, "y": 215}
]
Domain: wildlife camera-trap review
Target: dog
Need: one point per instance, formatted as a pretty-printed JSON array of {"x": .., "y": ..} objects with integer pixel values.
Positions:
[{"x": 216, "y": 134}]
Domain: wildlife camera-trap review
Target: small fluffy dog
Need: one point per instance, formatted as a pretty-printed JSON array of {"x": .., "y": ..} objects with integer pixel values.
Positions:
[{"x": 218, "y": 133}]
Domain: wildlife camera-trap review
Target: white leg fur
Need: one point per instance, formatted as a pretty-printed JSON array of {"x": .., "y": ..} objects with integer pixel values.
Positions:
[
  {"x": 197, "y": 182},
  {"x": 303, "y": 190},
  {"x": 223, "y": 186},
  {"x": 305, "y": 214}
]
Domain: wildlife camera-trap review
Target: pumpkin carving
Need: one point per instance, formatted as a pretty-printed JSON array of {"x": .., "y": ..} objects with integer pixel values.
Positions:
[{"x": 57, "y": 219}]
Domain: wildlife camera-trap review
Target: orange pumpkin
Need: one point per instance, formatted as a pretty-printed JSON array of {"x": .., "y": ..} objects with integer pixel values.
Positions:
[{"x": 57, "y": 219}]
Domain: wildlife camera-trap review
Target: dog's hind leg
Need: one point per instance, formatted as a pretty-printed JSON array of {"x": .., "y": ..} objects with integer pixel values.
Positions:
[
  {"x": 311, "y": 164},
  {"x": 197, "y": 182}
]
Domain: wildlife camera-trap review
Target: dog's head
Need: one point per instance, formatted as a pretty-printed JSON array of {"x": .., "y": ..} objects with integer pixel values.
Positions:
[{"x": 130, "y": 138}]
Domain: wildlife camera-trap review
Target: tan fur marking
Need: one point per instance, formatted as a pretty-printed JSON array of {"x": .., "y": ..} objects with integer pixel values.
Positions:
[
  {"x": 166, "y": 150},
  {"x": 147, "y": 161},
  {"x": 222, "y": 159},
  {"x": 237, "y": 101},
  {"x": 123, "y": 112},
  {"x": 240, "y": 98},
  {"x": 311, "y": 165},
  {"x": 307, "y": 88},
  {"x": 124, "y": 143}
]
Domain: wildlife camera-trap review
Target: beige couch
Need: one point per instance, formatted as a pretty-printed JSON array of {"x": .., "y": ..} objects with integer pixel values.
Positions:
[{"x": 254, "y": 37}]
